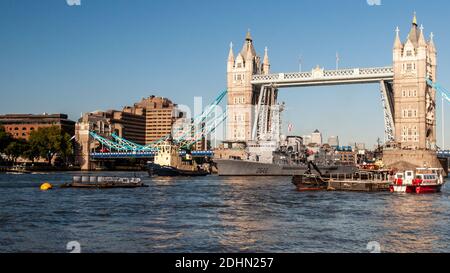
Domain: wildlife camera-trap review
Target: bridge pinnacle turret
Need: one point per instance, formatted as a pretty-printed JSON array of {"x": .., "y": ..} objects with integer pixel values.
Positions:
[
  {"x": 413, "y": 36},
  {"x": 248, "y": 51},
  {"x": 230, "y": 54},
  {"x": 266, "y": 64},
  {"x": 431, "y": 43},
  {"x": 248, "y": 37},
  {"x": 422, "y": 42},
  {"x": 230, "y": 63},
  {"x": 398, "y": 43}
]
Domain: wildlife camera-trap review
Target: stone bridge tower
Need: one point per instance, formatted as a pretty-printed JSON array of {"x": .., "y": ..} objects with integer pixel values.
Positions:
[
  {"x": 242, "y": 95},
  {"x": 414, "y": 101}
]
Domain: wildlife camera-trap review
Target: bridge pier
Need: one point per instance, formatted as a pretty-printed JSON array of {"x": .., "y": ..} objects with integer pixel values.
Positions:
[{"x": 410, "y": 159}]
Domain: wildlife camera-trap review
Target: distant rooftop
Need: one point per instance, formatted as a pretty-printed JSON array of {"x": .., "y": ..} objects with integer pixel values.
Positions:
[{"x": 43, "y": 115}]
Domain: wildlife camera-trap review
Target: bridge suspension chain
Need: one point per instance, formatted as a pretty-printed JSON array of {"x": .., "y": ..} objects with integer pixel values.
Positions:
[
  {"x": 444, "y": 93},
  {"x": 445, "y": 96},
  {"x": 131, "y": 145},
  {"x": 110, "y": 144}
]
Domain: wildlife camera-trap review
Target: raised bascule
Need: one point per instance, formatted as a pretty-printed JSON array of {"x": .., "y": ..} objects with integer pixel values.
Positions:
[{"x": 407, "y": 93}]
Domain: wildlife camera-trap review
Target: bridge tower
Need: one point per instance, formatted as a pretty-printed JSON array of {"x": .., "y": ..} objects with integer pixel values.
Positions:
[
  {"x": 242, "y": 95},
  {"x": 414, "y": 101}
]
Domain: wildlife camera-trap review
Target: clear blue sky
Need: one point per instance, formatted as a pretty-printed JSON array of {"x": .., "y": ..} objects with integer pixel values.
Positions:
[{"x": 106, "y": 54}]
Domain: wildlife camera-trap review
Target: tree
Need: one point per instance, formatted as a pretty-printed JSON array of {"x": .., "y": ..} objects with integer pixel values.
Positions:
[
  {"x": 49, "y": 141},
  {"x": 31, "y": 153},
  {"x": 16, "y": 149},
  {"x": 5, "y": 139},
  {"x": 65, "y": 148}
]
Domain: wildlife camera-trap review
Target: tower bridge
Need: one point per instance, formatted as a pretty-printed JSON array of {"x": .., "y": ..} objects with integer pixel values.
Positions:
[
  {"x": 407, "y": 88},
  {"x": 408, "y": 100}
]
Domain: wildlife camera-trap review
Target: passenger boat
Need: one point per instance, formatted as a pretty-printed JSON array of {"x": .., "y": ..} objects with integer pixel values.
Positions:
[{"x": 421, "y": 180}]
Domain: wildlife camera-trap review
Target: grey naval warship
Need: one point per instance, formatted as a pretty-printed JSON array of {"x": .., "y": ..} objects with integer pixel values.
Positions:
[{"x": 288, "y": 158}]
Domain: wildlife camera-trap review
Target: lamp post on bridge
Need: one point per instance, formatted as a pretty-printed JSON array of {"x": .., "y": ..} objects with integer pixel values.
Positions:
[
  {"x": 337, "y": 61},
  {"x": 300, "y": 63}
]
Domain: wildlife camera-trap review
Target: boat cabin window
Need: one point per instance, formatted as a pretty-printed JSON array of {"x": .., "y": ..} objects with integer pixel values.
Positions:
[
  {"x": 408, "y": 173},
  {"x": 399, "y": 175}
]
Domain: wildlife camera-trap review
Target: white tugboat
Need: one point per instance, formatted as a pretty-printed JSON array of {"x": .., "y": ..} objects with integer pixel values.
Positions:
[{"x": 168, "y": 162}]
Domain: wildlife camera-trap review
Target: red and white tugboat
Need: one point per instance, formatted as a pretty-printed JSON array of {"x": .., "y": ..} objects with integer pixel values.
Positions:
[{"x": 422, "y": 180}]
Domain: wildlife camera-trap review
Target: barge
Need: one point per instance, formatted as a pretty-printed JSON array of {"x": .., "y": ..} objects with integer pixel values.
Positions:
[
  {"x": 103, "y": 182},
  {"x": 362, "y": 181}
]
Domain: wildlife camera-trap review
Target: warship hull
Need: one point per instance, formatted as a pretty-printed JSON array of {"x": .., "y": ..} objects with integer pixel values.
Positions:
[{"x": 229, "y": 167}]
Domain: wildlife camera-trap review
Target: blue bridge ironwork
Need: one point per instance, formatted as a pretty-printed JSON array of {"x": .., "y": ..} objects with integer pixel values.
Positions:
[
  {"x": 145, "y": 155},
  {"x": 202, "y": 125}
]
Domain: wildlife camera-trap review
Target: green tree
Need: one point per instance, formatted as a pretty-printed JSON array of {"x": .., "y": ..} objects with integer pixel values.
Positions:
[
  {"x": 5, "y": 139},
  {"x": 65, "y": 148},
  {"x": 16, "y": 149},
  {"x": 31, "y": 153},
  {"x": 50, "y": 141}
]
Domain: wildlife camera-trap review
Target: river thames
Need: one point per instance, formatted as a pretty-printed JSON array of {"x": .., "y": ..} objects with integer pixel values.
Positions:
[{"x": 215, "y": 214}]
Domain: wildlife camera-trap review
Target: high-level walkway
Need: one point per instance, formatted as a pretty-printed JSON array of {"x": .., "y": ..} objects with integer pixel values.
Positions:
[{"x": 326, "y": 77}]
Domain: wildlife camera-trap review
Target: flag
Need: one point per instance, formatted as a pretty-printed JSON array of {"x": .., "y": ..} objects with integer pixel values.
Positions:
[{"x": 290, "y": 127}]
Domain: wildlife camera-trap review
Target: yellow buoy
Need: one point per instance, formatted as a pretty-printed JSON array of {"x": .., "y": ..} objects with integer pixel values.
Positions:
[{"x": 46, "y": 186}]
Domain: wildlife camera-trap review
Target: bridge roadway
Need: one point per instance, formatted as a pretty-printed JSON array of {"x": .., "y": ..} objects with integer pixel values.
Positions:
[
  {"x": 444, "y": 153},
  {"x": 149, "y": 154},
  {"x": 118, "y": 155},
  {"x": 320, "y": 76}
]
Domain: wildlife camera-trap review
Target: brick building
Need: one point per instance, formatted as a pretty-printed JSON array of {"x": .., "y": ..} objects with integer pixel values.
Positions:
[
  {"x": 128, "y": 123},
  {"x": 161, "y": 113},
  {"x": 20, "y": 126}
]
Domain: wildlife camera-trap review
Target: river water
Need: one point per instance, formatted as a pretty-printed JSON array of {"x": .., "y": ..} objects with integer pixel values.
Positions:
[{"x": 215, "y": 214}]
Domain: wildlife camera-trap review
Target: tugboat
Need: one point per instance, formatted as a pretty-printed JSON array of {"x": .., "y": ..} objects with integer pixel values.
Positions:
[
  {"x": 421, "y": 180},
  {"x": 168, "y": 162}
]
